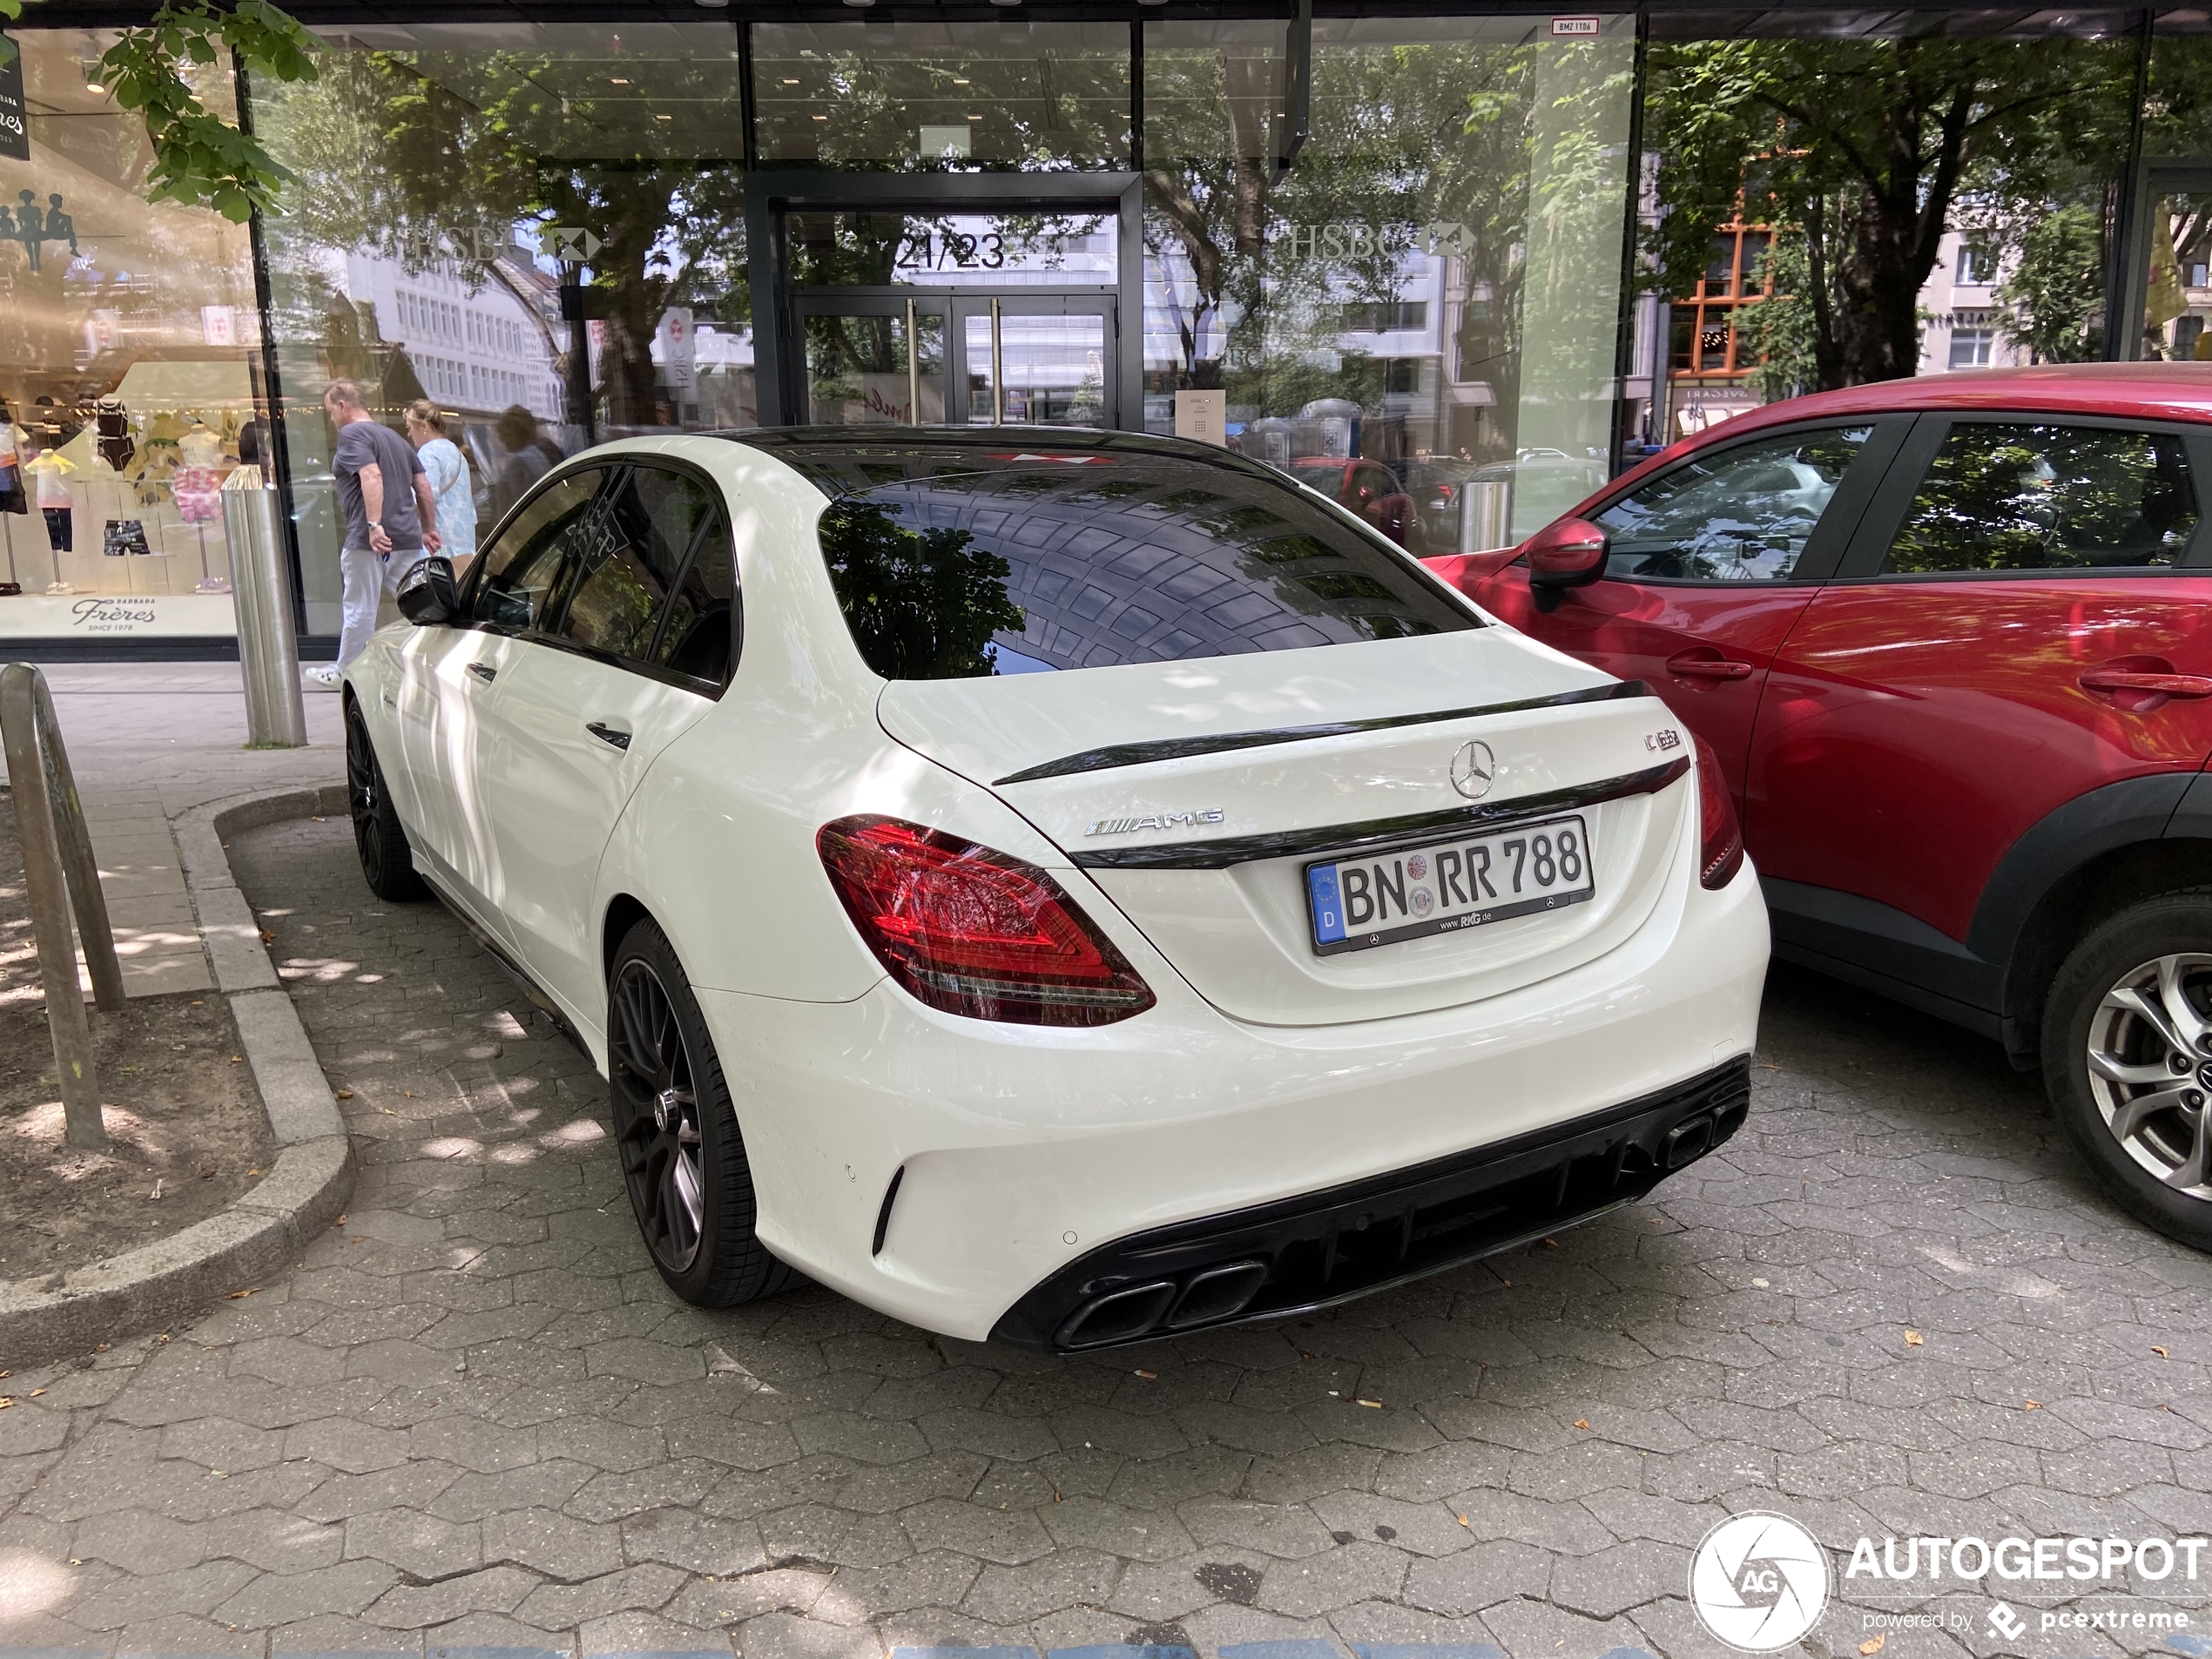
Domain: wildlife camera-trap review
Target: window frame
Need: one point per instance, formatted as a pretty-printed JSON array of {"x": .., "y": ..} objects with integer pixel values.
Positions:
[
  {"x": 1831, "y": 538},
  {"x": 617, "y": 468},
  {"x": 473, "y": 583},
  {"x": 1878, "y": 526}
]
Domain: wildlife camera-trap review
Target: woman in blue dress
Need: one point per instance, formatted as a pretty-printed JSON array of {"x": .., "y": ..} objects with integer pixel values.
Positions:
[{"x": 450, "y": 480}]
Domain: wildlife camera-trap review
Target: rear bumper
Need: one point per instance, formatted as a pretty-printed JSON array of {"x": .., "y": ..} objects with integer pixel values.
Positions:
[
  {"x": 1022, "y": 1150},
  {"x": 1299, "y": 1254}
]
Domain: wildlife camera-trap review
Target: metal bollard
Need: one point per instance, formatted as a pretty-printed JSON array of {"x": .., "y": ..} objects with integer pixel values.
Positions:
[
  {"x": 59, "y": 872},
  {"x": 268, "y": 654},
  {"x": 1486, "y": 517}
]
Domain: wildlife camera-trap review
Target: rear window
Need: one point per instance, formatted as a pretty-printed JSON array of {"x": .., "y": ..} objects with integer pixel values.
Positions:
[{"x": 945, "y": 570}]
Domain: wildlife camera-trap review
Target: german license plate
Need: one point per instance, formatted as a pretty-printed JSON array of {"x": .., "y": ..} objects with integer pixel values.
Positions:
[{"x": 1360, "y": 901}]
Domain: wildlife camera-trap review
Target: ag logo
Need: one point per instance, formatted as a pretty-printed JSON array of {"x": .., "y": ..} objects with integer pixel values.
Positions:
[{"x": 1759, "y": 1581}]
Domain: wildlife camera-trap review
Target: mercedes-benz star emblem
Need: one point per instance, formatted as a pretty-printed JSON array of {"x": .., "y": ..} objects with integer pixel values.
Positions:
[{"x": 1473, "y": 768}]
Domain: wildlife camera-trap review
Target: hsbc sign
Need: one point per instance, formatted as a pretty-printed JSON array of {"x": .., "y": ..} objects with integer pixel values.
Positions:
[{"x": 1354, "y": 239}]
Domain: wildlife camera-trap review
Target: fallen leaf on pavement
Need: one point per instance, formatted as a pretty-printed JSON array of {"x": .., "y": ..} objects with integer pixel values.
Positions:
[
  {"x": 236, "y": 1295},
  {"x": 2161, "y": 1353},
  {"x": 1914, "y": 1340},
  {"x": 1582, "y": 1422},
  {"x": 1871, "y": 1646},
  {"x": 345, "y": 1094},
  {"x": 2033, "y": 1406},
  {"x": 1463, "y": 1521}
]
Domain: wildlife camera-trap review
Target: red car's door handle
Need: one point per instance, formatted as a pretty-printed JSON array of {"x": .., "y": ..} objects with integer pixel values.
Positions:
[
  {"x": 2120, "y": 679},
  {"x": 1706, "y": 668}
]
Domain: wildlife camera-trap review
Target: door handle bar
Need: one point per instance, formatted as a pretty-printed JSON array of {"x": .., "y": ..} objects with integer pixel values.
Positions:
[
  {"x": 608, "y": 734},
  {"x": 485, "y": 671},
  {"x": 2120, "y": 679},
  {"x": 1706, "y": 668}
]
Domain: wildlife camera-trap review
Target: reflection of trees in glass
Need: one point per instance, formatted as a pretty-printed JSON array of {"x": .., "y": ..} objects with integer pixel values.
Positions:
[
  {"x": 1779, "y": 330},
  {"x": 1405, "y": 136},
  {"x": 2035, "y": 498},
  {"x": 921, "y": 605},
  {"x": 432, "y": 157},
  {"x": 2051, "y": 302},
  {"x": 1868, "y": 147}
]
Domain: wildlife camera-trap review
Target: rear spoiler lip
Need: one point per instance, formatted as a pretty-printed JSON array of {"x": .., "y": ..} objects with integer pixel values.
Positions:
[
  {"x": 1138, "y": 754},
  {"x": 1379, "y": 831}
]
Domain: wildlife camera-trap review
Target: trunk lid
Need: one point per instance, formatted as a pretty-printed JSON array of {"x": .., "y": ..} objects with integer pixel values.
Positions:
[{"x": 1196, "y": 793}]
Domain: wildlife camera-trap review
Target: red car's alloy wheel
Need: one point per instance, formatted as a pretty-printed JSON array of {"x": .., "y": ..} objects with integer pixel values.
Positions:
[{"x": 2150, "y": 1068}]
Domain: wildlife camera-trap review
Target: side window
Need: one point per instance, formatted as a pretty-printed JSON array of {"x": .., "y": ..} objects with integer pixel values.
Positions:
[
  {"x": 640, "y": 532},
  {"x": 699, "y": 635},
  {"x": 1742, "y": 514},
  {"x": 522, "y": 567},
  {"x": 2000, "y": 496}
]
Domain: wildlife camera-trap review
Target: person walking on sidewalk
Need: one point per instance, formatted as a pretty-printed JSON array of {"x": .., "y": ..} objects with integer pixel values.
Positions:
[
  {"x": 450, "y": 481},
  {"x": 391, "y": 520}
]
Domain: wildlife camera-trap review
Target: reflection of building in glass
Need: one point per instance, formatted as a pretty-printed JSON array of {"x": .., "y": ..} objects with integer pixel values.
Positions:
[{"x": 1709, "y": 359}]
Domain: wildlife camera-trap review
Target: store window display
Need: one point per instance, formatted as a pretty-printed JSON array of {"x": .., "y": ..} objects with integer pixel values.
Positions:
[{"x": 128, "y": 332}]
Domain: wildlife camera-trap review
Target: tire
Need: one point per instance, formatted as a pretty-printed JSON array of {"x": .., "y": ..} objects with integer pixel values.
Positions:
[
  {"x": 2127, "y": 1060},
  {"x": 387, "y": 864},
  {"x": 676, "y": 1133}
]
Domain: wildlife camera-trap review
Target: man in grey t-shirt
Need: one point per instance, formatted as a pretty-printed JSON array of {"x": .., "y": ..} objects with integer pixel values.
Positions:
[{"x": 391, "y": 519}]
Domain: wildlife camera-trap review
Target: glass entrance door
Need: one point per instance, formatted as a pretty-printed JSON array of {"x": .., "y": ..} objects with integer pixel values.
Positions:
[
  {"x": 1031, "y": 360},
  {"x": 872, "y": 359},
  {"x": 890, "y": 358}
]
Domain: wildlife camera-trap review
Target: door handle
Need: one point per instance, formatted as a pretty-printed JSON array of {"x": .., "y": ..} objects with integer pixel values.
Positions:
[
  {"x": 485, "y": 671},
  {"x": 1689, "y": 666},
  {"x": 609, "y": 734},
  {"x": 2121, "y": 679}
]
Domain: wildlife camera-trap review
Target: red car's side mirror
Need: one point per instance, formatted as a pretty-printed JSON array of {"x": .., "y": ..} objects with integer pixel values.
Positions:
[{"x": 1567, "y": 553}]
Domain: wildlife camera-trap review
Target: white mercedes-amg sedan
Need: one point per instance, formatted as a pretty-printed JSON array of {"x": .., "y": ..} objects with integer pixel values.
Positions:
[{"x": 1067, "y": 888}]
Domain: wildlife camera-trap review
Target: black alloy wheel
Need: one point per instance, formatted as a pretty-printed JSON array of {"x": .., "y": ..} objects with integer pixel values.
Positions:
[
  {"x": 683, "y": 1157},
  {"x": 2127, "y": 1060},
  {"x": 386, "y": 863}
]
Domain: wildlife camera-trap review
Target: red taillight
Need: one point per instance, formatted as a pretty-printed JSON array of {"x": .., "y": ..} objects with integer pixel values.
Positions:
[
  {"x": 1722, "y": 850},
  {"x": 974, "y": 932}
]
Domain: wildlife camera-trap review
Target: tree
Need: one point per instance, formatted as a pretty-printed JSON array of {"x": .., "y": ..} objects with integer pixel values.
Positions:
[
  {"x": 199, "y": 158},
  {"x": 2051, "y": 302},
  {"x": 1867, "y": 146},
  {"x": 1779, "y": 330}
]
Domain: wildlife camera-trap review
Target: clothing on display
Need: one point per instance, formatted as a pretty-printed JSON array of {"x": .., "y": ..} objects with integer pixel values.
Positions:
[
  {"x": 116, "y": 445},
  {"x": 124, "y": 535},
  {"x": 50, "y": 470}
]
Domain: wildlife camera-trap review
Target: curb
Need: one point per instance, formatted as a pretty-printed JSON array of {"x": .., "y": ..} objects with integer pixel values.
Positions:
[{"x": 303, "y": 1191}]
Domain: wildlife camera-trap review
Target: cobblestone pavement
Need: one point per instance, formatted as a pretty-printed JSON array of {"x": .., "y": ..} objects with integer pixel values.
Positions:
[{"x": 472, "y": 1418}]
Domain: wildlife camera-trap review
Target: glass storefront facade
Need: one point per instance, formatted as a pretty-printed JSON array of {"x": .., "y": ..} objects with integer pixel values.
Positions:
[{"x": 1427, "y": 263}]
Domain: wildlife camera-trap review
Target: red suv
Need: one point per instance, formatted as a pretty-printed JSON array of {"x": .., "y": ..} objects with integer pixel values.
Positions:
[{"x": 1950, "y": 641}]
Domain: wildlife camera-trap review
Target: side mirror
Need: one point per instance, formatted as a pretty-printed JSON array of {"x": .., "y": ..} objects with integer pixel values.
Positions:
[
  {"x": 427, "y": 592},
  {"x": 1567, "y": 553}
]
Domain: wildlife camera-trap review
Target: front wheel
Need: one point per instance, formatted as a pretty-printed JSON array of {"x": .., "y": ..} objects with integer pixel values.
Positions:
[
  {"x": 387, "y": 864},
  {"x": 2127, "y": 1060},
  {"x": 683, "y": 1157}
]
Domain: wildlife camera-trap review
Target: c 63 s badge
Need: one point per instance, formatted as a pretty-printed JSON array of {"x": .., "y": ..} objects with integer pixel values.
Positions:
[{"x": 1203, "y": 816}]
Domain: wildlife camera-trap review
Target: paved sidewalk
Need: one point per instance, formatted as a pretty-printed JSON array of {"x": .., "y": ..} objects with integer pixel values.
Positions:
[
  {"x": 147, "y": 741},
  {"x": 473, "y": 1419}
]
